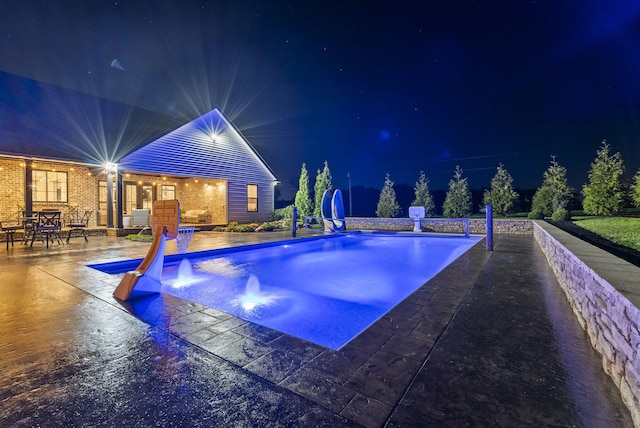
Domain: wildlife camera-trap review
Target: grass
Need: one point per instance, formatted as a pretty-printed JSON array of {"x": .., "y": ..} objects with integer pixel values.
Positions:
[
  {"x": 621, "y": 230},
  {"x": 139, "y": 237}
]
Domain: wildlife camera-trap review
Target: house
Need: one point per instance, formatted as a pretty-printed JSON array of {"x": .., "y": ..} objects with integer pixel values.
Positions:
[{"x": 60, "y": 149}]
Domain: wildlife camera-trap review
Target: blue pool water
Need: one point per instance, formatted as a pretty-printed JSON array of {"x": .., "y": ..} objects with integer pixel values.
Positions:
[{"x": 324, "y": 290}]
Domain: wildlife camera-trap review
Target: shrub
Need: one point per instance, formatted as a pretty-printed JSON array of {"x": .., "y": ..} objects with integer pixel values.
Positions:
[
  {"x": 555, "y": 192},
  {"x": 560, "y": 214},
  {"x": 604, "y": 194},
  {"x": 387, "y": 204},
  {"x": 536, "y": 215},
  {"x": 283, "y": 213},
  {"x": 501, "y": 196},
  {"x": 267, "y": 227},
  {"x": 457, "y": 203},
  {"x": 242, "y": 227}
]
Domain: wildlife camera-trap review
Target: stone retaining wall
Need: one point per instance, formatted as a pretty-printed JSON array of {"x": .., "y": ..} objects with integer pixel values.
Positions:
[
  {"x": 476, "y": 226},
  {"x": 611, "y": 319}
]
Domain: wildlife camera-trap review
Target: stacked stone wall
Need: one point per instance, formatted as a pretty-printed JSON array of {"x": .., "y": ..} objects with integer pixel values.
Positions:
[
  {"x": 476, "y": 226},
  {"x": 610, "y": 319}
]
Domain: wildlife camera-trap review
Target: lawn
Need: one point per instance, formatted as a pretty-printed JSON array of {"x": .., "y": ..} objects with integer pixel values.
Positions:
[{"x": 621, "y": 230}]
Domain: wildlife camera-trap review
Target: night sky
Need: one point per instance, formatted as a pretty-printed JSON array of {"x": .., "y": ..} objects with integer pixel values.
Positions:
[{"x": 370, "y": 86}]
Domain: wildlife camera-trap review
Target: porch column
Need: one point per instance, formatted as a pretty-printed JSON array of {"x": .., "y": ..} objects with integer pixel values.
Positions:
[
  {"x": 28, "y": 186},
  {"x": 109, "y": 200},
  {"x": 119, "y": 185}
]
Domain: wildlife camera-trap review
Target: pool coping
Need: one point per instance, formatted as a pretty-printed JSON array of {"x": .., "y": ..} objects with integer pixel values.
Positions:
[{"x": 363, "y": 381}]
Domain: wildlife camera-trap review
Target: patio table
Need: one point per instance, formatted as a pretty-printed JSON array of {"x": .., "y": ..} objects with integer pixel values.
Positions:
[{"x": 9, "y": 230}]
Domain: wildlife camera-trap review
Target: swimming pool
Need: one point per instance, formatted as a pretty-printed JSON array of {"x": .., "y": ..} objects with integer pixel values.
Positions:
[{"x": 325, "y": 290}]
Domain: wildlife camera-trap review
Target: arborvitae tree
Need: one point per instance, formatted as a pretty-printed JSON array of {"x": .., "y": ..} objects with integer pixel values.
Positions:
[
  {"x": 604, "y": 195},
  {"x": 501, "y": 196},
  {"x": 323, "y": 182},
  {"x": 635, "y": 189},
  {"x": 303, "y": 200},
  {"x": 457, "y": 203},
  {"x": 423, "y": 196},
  {"x": 555, "y": 193},
  {"x": 387, "y": 205}
]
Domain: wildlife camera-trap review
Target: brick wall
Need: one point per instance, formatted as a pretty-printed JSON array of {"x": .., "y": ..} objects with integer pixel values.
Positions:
[
  {"x": 194, "y": 195},
  {"x": 12, "y": 189},
  {"x": 82, "y": 188},
  {"x": 611, "y": 320}
]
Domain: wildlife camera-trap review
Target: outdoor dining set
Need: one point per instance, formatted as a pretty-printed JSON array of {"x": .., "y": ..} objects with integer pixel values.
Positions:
[{"x": 46, "y": 226}]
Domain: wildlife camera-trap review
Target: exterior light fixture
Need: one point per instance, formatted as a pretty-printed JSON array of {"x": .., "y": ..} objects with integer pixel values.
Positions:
[{"x": 111, "y": 167}]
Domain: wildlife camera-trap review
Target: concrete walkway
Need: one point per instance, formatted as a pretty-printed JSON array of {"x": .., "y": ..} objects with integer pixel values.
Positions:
[{"x": 490, "y": 341}]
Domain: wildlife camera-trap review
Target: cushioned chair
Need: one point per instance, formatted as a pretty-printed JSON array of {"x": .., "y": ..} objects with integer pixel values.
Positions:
[{"x": 80, "y": 225}]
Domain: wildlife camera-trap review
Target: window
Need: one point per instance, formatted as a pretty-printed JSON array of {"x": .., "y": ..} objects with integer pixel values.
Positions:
[
  {"x": 49, "y": 186},
  {"x": 130, "y": 197},
  {"x": 147, "y": 197},
  {"x": 252, "y": 197},
  {"x": 168, "y": 192}
]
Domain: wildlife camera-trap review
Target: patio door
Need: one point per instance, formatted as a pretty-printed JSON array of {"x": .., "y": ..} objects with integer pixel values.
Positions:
[
  {"x": 148, "y": 196},
  {"x": 130, "y": 197},
  {"x": 102, "y": 202}
]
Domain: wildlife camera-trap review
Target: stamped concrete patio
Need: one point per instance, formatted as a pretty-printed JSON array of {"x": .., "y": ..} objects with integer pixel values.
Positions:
[{"x": 490, "y": 341}]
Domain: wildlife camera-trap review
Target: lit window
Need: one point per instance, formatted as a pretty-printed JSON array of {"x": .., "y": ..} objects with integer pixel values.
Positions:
[
  {"x": 168, "y": 192},
  {"x": 49, "y": 186},
  {"x": 252, "y": 197}
]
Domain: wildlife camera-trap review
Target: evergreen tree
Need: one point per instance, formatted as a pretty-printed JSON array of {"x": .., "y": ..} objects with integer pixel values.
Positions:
[
  {"x": 457, "y": 203},
  {"x": 555, "y": 193},
  {"x": 423, "y": 196},
  {"x": 388, "y": 207},
  {"x": 303, "y": 200},
  {"x": 323, "y": 182},
  {"x": 635, "y": 189},
  {"x": 501, "y": 196},
  {"x": 604, "y": 194}
]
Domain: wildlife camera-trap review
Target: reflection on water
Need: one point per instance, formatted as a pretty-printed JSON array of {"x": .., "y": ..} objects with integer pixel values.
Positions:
[
  {"x": 323, "y": 290},
  {"x": 253, "y": 297},
  {"x": 590, "y": 385}
]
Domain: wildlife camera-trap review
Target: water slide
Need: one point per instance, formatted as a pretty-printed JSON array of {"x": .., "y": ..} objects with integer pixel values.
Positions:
[
  {"x": 332, "y": 211},
  {"x": 325, "y": 211},
  {"x": 147, "y": 277},
  {"x": 337, "y": 211}
]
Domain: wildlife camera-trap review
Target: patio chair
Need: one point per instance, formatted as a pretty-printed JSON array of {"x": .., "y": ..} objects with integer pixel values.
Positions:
[
  {"x": 80, "y": 225},
  {"x": 47, "y": 226},
  {"x": 28, "y": 219}
]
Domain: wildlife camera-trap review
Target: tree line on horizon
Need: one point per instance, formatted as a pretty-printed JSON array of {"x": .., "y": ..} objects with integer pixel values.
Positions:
[{"x": 605, "y": 193}]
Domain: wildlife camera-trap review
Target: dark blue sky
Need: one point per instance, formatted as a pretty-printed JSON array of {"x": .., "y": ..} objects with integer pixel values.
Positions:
[{"x": 370, "y": 86}]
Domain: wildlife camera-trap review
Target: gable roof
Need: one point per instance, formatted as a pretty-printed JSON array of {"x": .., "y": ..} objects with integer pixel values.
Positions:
[
  {"x": 209, "y": 146},
  {"x": 46, "y": 121}
]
